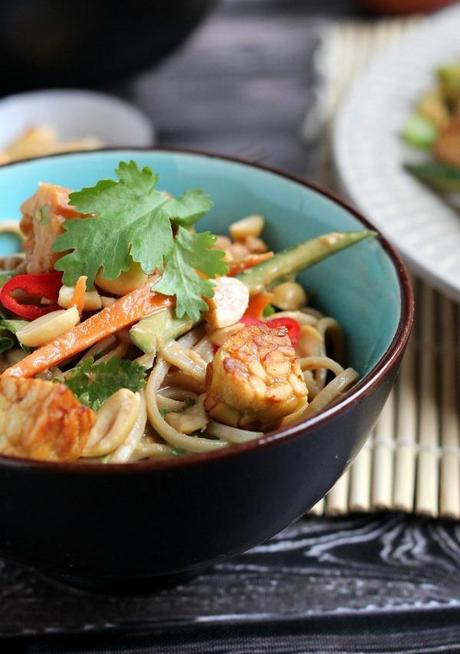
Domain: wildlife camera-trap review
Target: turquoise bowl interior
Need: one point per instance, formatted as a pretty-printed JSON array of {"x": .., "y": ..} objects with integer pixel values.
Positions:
[{"x": 359, "y": 286}]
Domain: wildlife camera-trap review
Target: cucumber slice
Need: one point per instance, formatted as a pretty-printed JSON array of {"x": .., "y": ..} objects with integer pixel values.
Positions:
[{"x": 419, "y": 132}]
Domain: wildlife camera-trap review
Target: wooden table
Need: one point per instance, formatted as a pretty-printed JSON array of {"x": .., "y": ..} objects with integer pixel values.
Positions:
[{"x": 386, "y": 583}]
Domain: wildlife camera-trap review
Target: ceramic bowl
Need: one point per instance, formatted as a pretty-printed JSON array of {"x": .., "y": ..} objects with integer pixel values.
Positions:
[{"x": 119, "y": 526}]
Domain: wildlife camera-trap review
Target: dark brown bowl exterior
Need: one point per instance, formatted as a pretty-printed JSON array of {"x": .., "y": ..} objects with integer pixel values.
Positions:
[
  {"x": 124, "y": 526},
  {"x": 41, "y": 40}
]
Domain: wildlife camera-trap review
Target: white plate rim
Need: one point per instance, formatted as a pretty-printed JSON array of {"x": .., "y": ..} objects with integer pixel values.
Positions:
[
  {"x": 347, "y": 178},
  {"x": 143, "y": 126}
]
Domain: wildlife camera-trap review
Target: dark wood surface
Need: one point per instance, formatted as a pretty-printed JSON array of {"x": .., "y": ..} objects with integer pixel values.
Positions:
[
  {"x": 360, "y": 584},
  {"x": 385, "y": 583},
  {"x": 243, "y": 82}
]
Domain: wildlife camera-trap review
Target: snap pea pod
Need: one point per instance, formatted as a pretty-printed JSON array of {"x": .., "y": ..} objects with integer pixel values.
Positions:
[
  {"x": 439, "y": 176},
  {"x": 297, "y": 258},
  {"x": 159, "y": 328}
]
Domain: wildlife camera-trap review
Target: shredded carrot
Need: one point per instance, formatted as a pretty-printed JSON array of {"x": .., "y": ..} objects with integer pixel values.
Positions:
[
  {"x": 251, "y": 260},
  {"x": 78, "y": 297},
  {"x": 123, "y": 312},
  {"x": 257, "y": 305}
]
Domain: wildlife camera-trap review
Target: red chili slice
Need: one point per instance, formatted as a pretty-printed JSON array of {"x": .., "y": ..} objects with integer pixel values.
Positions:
[
  {"x": 291, "y": 325},
  {"x": 45, "y": 285},
  {"x": 250, "y": 320}
]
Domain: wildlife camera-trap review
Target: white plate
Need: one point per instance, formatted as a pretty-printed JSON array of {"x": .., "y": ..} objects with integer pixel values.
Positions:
[
  {"x": 369, "y": 153},
  {"x": 75, "y": 114}
]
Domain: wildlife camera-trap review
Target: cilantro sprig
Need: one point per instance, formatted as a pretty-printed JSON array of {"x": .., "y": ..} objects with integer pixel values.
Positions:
[
  {"x": 93, "y": 383},
  {"x": 191, "y": 251},
  {"x": 8, "y": 329},
  {"x": 128, "y": 220}
]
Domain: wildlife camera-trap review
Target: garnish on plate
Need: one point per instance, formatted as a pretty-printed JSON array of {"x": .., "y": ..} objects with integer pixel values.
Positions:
[{"x": 435, "y": 127}]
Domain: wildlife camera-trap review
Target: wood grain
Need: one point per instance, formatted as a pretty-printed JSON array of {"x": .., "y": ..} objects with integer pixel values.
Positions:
[{"x": 316, "y": 570}]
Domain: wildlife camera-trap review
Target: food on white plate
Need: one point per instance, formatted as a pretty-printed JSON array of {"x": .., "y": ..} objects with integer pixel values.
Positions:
[{"x": 435, "y": 127}]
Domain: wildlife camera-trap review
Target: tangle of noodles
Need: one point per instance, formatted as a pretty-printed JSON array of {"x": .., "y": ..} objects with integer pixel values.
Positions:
[
  {"x": 232, "y": 434},
  {"x": 148, "y": 449},
  {"x": 331, "y": 393},
  {"x": 146, "y": 360},
  {"x": 184, "y": 359},
  {"x": 323, "y": 363},
  {"x": 124, "y": 451},
  {"x": 175, "y": 438},
  {"x": 136, "y": 426},
  {"x": 167, "y": 404},
  {"x": 173, "y": 393},
  {"x": 114, "y": 423}
]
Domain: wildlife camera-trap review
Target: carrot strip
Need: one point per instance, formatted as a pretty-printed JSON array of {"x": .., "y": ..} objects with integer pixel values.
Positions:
[
  {"x": 122, "y": 313},
  {"x": 257, "y": 304},
  {"x": 78, "y": 297},
  {"x": 250, "y": 261}
]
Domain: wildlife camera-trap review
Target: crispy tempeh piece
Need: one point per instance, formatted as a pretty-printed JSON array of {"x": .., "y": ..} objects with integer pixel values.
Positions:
[
  {"x": 255, "y": 379},
  {"x": 42, "y": 420}
]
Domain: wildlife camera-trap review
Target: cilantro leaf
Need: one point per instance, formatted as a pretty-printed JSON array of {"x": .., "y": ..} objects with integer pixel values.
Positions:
[
  {"x": 128, "y": 219},
  {"x": 151, "y": 240},
  {"x": 124, "y": 225},
  {"x": 93, "y": 383},
  {"x": 191, "y": 251},
  {"x": 134, "y": 192},
  {"x": 189, "y": 208}
]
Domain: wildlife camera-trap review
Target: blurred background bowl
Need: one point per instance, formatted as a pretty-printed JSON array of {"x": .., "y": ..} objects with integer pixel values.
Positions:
[
  {"x": 75, "y": 114},
  {"x": 49, "y": 43}
]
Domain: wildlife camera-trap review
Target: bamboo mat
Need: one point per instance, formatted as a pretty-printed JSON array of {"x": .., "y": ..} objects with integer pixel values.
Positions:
[{"x": 411, "y": 461}]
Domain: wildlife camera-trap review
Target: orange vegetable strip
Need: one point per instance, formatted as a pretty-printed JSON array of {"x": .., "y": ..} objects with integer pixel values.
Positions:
[
  {"x": 78, "y": 297},
  {"x": 122, "y": 313},
  {"x": 257, "y": 304},
  {"x": 250, "y": 261}
]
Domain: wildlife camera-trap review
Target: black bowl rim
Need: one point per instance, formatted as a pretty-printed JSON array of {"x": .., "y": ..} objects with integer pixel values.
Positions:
[{"x": 362, "y": 389}]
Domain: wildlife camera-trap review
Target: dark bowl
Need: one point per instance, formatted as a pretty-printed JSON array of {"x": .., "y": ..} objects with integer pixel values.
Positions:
[
  {"x": 49, "y": 43},
  {"x": 114, "y": 526}
]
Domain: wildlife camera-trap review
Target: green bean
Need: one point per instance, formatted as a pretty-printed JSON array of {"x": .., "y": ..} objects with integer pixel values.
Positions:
[{"x": 439, "y": 176}]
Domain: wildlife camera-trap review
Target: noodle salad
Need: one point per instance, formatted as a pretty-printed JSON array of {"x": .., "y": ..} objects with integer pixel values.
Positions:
[{"x": 126, "y": 335}]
